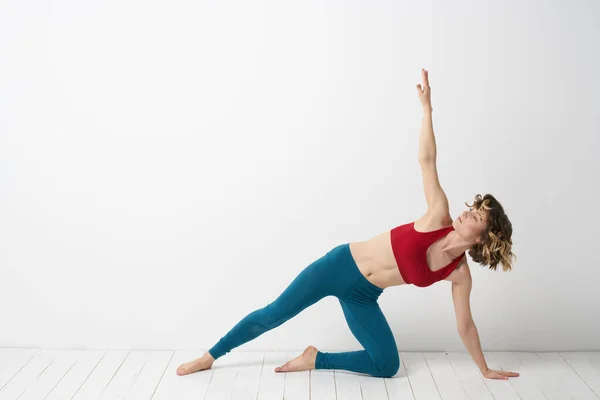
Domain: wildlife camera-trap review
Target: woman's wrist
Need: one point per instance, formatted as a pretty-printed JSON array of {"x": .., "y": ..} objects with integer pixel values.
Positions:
[{"x": 427, "y": 109}]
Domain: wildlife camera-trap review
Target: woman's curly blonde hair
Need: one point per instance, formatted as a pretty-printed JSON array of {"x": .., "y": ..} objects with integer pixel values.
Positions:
[{"x": 496, "y": 244}]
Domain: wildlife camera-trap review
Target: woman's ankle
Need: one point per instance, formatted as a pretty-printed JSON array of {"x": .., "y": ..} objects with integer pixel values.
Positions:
[{"x": 208, "y": 356}]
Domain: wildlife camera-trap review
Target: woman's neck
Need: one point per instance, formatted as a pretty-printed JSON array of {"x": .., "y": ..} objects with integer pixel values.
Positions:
[{"x": 455, "y": 245}]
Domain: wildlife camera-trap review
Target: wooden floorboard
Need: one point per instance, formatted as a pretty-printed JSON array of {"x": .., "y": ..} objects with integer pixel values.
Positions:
[{"x": 39, "y": 374}]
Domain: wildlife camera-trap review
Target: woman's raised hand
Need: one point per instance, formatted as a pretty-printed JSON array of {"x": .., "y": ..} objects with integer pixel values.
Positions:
[{"x": 425, "y": 91}]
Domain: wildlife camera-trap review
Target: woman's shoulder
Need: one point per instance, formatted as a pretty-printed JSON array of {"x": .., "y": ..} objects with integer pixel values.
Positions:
[{"x": 462, "y": 272}]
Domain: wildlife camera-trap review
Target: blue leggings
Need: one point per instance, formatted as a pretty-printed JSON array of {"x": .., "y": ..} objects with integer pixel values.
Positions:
[{"x": 334, "y": 274}]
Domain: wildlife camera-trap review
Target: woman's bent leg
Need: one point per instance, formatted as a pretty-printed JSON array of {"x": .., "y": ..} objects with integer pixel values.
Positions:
[
  {"x": 380, "y": 355},
  {"x": 368, "y": 324},
  {"x": 312, "y": 284}
]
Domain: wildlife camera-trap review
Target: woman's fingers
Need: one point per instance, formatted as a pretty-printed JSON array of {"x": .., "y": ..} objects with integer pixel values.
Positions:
[{"x": 425, "y": 74}]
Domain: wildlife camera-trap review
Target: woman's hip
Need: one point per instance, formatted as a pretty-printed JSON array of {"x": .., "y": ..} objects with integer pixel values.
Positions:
[{"x": 347, "y": 275}]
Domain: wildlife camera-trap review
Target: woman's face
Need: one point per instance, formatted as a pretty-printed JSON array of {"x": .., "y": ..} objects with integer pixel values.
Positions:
[{"x": 470, "y": 224}]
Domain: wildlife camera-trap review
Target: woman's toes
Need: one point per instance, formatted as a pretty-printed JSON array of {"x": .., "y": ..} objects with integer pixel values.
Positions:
[{"x": 282, "y": 368}]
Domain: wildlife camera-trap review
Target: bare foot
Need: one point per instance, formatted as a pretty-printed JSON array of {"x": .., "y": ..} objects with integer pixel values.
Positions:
[
  {"x": 303, "y": 362},
  {"x": 202, "y": 363}
]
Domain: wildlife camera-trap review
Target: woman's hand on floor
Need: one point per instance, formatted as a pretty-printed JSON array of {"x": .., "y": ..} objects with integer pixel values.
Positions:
[{"x": 493, "y": 374}]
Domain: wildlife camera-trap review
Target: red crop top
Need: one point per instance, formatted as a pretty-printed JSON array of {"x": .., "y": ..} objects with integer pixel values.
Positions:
[{"x": 410, "y": 250}]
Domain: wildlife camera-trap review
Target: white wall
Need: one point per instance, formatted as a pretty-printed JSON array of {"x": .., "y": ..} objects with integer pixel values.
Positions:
[{"x": 169, "y": 167}]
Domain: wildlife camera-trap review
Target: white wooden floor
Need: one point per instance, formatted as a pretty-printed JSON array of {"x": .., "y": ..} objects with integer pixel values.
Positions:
[{"x": 27, "y": 374}]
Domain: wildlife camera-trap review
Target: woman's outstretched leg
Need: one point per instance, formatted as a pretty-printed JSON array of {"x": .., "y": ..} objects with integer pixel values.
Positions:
[{"x": 312, "y": 284}]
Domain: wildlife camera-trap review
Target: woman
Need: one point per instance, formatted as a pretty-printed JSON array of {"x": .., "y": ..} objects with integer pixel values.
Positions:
[{"x": 422, "y": 252}]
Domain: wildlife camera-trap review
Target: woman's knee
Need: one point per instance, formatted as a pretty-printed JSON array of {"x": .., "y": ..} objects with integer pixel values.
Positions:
[{"x": 389, "y": 366}]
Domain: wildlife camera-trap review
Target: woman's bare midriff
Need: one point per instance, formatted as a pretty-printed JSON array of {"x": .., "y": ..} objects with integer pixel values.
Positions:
[{"x": 375, "y": 260}]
